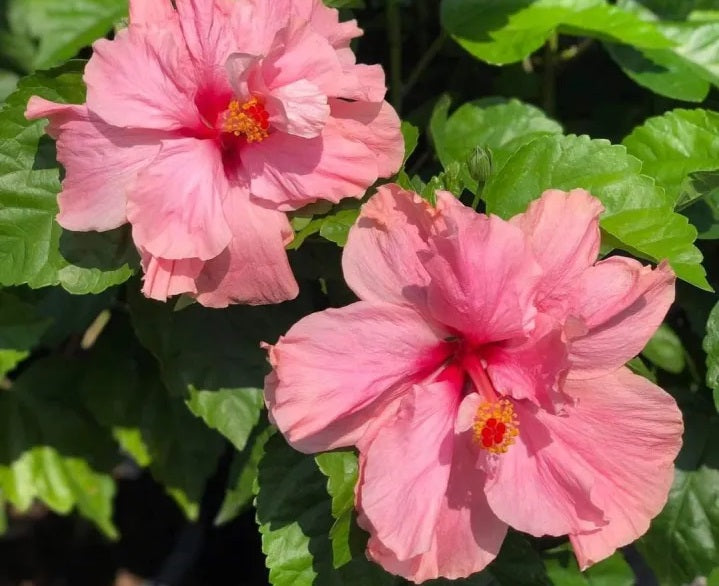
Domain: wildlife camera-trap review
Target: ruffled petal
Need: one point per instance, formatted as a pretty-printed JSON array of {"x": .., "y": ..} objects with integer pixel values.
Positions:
[
  {"x": 143, "y": 78},
  {"x": 483, "y": 280},
  {"x": 291, "y": 172},
  {"x": 377, "y": 126},
  {"x": 335, "y": 369},
  {"x": 406, "y": 469},
  {"x": 254, "y": 268},
  {"x": 101, "y": 164},
  {"x": 622, "y": 303},
  {"x": 164, "y": 278},
  {"x": 540, "y": 485},
  {"x": 150, "y": 12},
  {"x": 563, "y": 231},
  {"x": 628, "y": 431},
  {"x": 467, "y": 535},
  {"x": 176, "y": 208},
  {"x": 207, "y": 28}
]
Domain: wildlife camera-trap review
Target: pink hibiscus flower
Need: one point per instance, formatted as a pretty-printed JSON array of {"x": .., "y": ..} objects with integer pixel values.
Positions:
[
  {"x": 481, "y": 378},
  {"x": 204, "y": 124}
]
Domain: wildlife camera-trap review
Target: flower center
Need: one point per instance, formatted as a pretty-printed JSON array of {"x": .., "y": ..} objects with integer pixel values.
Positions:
[
  {"x": 495, "y": 426},
  {"x": 248, "y": 119}
]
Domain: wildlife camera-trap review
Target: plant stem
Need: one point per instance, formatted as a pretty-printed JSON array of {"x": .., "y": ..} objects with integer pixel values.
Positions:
[
  {"x": 394, "y": 37},
  {"x": 423, "y": 62},
  {"x": 549, "y": 79}
]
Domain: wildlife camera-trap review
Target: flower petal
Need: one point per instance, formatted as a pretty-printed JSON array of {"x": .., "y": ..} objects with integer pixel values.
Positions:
[
  {"x": 164, "y": 278},
  {"x": 377, "y": 126},
  {"x": 176, "y": 208},
  {"x": 563, "y": 230},
  {"x": 406, "y": 468},
  {"x": 334, "y": 368},
  {"x": 291, "y": 172},
  {"x": 483, "y": 280},
  {"x": 622, "y": 304},
  {"x": 628, "y": 431},
  {"x": 143, "y": 78},
  {"x": 208, "y": 31},
  {"x": 150, "y": 12},
  {"x": 467, "y": 535},
  {"x": 254, "y": 268},
  {"x": 530, "y": 368},
  {"x": 101, "y": 164},
  {"x": 299, "y": 108},
  {"x": 540, "y": 485}
]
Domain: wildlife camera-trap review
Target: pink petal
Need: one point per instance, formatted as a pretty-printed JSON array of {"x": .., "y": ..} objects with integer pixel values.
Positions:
[
  {"x": 325, "y": 21},
  {"x": 176, "y": 208},
  {"x": 336, "y": 368},
  {"x": 406, "y": 469},
  {"x": 622, "y": 304},
  {"x": 466, "y": 536},
  {"x": 377, "y": 126},
  {"x": 165, "y": 278},
  {"x": 208, "y": 32},
  {"x": 484, "y": 279},
  {"x": 101, "y": 164},
  {"x": 254, "y": 268},
  {"x": 291, "y": 172},
  {"x": 380, "y": 261},
  {"x": 530, "y": 368},
  {"x": 363, "y": 82},
  {"x": 300, "y": 108},
  {"x": 540, "y": 485},
  {"x": 143, "y": 79},
  {"x": 628, "y": 431},
  {"x": 150, "y": 12},
  {"x": 563, "y": 229},
  {"x": 301, "y": 53}
]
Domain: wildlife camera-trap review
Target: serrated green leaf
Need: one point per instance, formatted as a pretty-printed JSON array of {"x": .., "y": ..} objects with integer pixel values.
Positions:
[
  {"x": 33, "y": 248},
  {"x": 711, "y": 347},
  {"x": 500, "y": 125},
  {"x": 63, "y": 27},
  {"x": 683, "y": 540},
  {"x": 232, "y": 412},
  {"x": 674, "y": 145},
  {"x": 505, "y": 31},
  {"x": 294, "y": 512},
  {"x": 638, "y": 217},
  {"x": 563, "y": 570},
  {"x": 410, "y": 134},
  {"x": 665, "y": 350},
  {"x": 52, "y": 449}
]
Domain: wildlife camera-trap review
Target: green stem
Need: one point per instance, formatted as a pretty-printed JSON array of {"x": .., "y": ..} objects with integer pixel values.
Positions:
[
  {"x": 423, "y": 62},
  {"x": 549, "y": 79},
  {"x": 394, "y": 36}
]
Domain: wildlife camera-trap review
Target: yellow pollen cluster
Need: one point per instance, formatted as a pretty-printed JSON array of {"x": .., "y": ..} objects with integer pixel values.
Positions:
[
  {"x": 249, "y": 119},
  {"x": 495, "y": 426}
]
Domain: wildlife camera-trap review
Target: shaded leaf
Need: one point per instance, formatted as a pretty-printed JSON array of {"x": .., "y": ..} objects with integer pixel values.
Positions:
[
  {"x": 665, "y": 349},
  {"x": 563, "y": 570},
  {"x": 711, "y": 347}
]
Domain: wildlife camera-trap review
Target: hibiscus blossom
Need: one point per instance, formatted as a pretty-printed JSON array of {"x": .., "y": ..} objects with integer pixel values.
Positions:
[
  {"x": 205, "y": 123},
  {"x": 481, "y": 378}
]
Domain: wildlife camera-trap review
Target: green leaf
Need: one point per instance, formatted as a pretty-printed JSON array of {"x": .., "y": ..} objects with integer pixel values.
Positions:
[
  {"x": 701, "y": 194},
  {"x": 33, "y": 248},
  {"x": 294, "y": 512},
  {"x": 52, "y": 449},
  {"x": 711, "y": 347},
  {"x": 21, "y": 327},
  {"x": 336, "y": 226},
  {"x": 243, "y": 475},
  {"x": 638, "y": 217},
  {"x": 63, "y": 27},
  {"x": 674, "y": 145},
  {"x": 665, "y": 350},
  {"x": 682, "y": 71},
  {"x": 505, "y": 31},
  {"x": 341, "y": 470},
  {"x": 683, "y": 541},
  {"x": 563, "y": 570},
  {"x": 232, "y": 412},
  {"x": 500, "y": 125},
  {"x": 345, "y": 3},
  {"x": 410, "y": 134}
]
